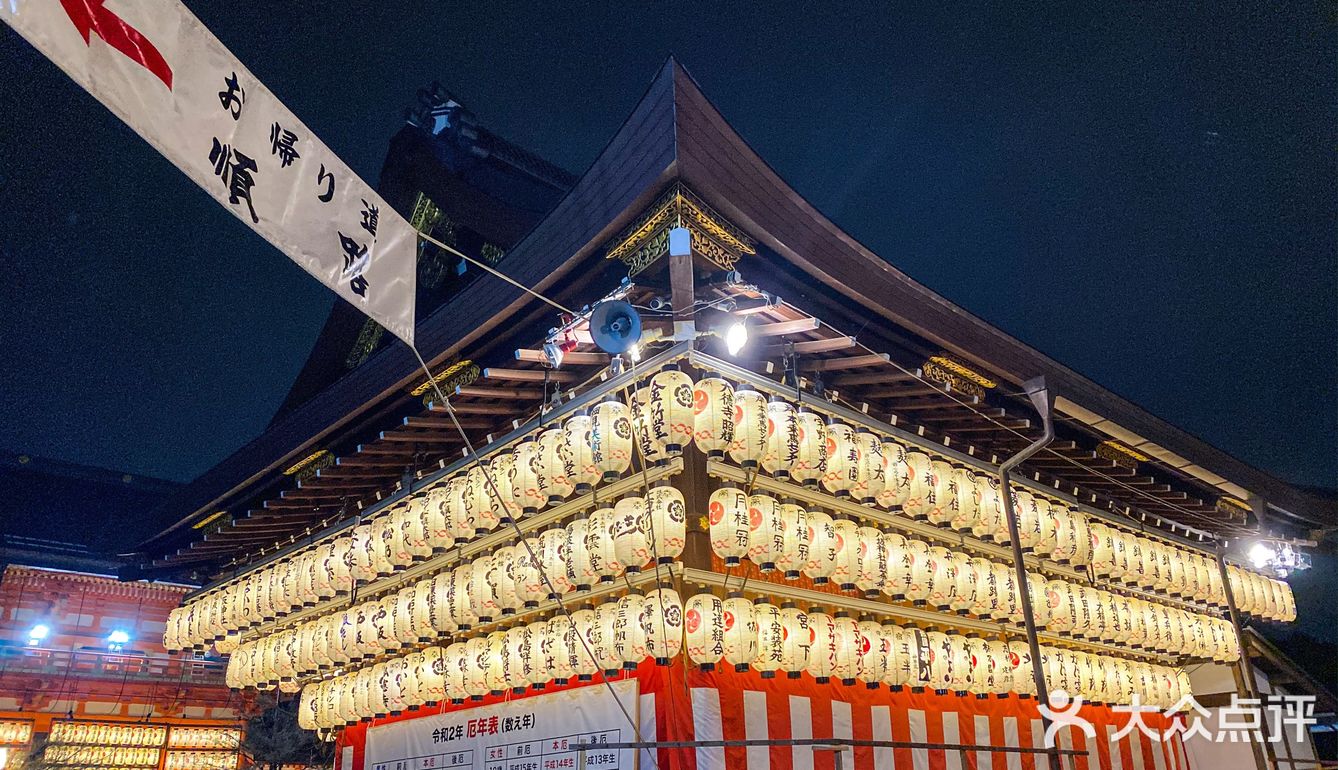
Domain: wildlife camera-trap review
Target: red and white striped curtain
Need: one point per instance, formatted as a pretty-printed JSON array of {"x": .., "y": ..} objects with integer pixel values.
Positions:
[{"x": 681, "y": 703}]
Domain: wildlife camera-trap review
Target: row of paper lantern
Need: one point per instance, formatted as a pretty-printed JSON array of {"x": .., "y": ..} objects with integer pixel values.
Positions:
[
  {"x": 107, "y": 734},
  {"x": 794, "y": 541},
  {"x": 1263, "y": 596},
  {"x": 594, "y": 549},
  {"x": 15, "y": 732},
  {"x": 204, "y": 738},
  {"x": 634, "y": 532},
  {"x": 620, "y": 634},
  {"x": 66, "y": 754},
  {"x": 200, "y": 760},
  {"x": 671, "y": 412}
]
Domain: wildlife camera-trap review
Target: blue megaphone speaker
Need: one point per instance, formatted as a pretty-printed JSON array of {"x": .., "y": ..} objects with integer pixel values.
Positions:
[{"x": 615, "y": 326}]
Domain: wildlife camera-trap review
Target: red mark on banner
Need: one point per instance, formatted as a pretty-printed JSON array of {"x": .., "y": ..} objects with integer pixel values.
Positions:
[{"x": 90, "y": 17}]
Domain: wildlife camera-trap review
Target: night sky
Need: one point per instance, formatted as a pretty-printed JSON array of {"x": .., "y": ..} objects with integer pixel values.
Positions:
[{"x": 1143, "y": 191}]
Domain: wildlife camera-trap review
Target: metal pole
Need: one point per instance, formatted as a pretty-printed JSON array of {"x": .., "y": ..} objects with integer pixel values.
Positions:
[
  {"x": 1041, "y": 399},
  {"x": 1263, "y": 755}
]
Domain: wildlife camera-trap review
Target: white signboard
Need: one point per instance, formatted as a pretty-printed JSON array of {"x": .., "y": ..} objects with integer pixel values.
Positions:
[
  {"x": 158, "y": 69},
  {"x": 543, "y": 732}
]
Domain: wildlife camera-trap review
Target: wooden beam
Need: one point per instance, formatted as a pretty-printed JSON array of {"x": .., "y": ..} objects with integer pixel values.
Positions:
[
  {"x": 782, "y": 328},
  {"x": 575, "y": 357},
  {"x": 421, "y": 437},
  {"x": 529, "y": 375},
  {"x": 474, "y": 390},
  {"x": 812, "y": 346},
  {"x": 910, "y": 405},
  {"x": 445, "y": 422},
  {"x": 996, "y": 412},
  {"x": 849, "y": 362},
  {"x": 468, "y": 408},
  {"x": 991, "y": 427},
  {"x": 875, "y": 378}
]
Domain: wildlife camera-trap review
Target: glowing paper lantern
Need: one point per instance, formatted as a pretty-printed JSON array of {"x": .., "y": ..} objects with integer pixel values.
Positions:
[
  {"x": 728, "y": 522},
  {"x": 944, "y": 503},
  {"x": 501, "y": 582},
  {"x": 671, "y": 409},
  {"x": 704, "y": 623},
  {"x": 413, "y": 531},
  {"x": 631, "y": 538},
  {"x": 599, "y": 545},
  {"x": 795, "y": 640},
  {"x": 629, "y": 639},
  {"x": 750, "y": 427},
  {"x": 585, "y": 621},
  {"x": 430, "y": 671},
  {"x": 1028, "y": 518},
  {"x": 846, "y": 544},
  {"x": 811, "y": 460},
  {"x": 502, "y": 472},
  {"x": 586, "y": 473},
  {"x": 822, "y": 648},
  {"x": 553, "y": 560},
  {"x": 713, "y": 416},
  {"x": 556, "y": 467},
  {"x": 482, "y": 505},
  {"x": 527, "y": 484},
  {"x": 602, "y": 636},
  {"x": 1048, "y": 538},
  {"x": 782, "y": 440},
  {"x": 843, "y": 460},
  {"x": 611, "y": 438},
  {"x": 740, "y": 642},
  {"x": 439, "y": 533},
  {"x": 871, "y": 565},
  {"x": 964, "y": 583},
  {"x": 823, "y": 548},
  {"x": 897, "y": 572},
  {"x": 989, "y": 509},
  {"x": 942, "y": 578},
  {"x": 917, "y": 554},
  {"x": 668, "y": 522},
  {"x": 662, "y": 624},
  {"x": 537, "y": 670},
  {"x": 360, "y": 549},
  {"x": 920, "y": 473},
  {"x": 770, "y": 639},
  {"x": 766, "y": 531},
  {"x": 872, "y": 472},
  {"x": 579, "y": 569},
  {"x": 794, "y": 552},
  {"x": 652, "y": 449},
  {"x": 940, "y": 665},
  {"x": 847, "y": 644},
  {"x": 967, "y": 507}
]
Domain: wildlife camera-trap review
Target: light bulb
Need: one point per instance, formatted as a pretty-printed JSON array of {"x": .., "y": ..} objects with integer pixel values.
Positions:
[
  {"x": 1261, "y": 555},
  {"x": 38, "y": 633},
  {"x": 736, "y": 336}
]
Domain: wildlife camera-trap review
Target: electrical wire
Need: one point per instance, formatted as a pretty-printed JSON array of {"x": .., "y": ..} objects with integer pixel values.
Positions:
[{"x": 491, "y": 270}]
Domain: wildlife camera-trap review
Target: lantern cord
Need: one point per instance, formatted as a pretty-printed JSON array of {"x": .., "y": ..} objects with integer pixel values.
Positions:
[
  {"x": 520, "y": 536},
  {"x": 491, "y": 270}
]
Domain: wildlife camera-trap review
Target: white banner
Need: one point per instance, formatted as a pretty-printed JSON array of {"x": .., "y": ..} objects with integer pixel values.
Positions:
[
  {"x": 542, "y": 732},
  {"x": 158, "y": 69}
]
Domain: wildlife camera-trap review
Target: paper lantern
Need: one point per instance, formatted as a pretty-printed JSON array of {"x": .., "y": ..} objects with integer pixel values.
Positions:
[
  {"x": 782, "y": 440},
  {"x": 871, "y": 564},
  {"x": 729, "y": 526},
  {"x": 940, "y": 665},
  {"x": 585, "y": 621},
  {"x": 897, "y": 572},
  {"x": 750, "y": 427},
  {"x": 704, "y": 624},
  {"x": 404, "y": 619},
  {"x": 1040, "y": 607},
  {"x": 527, "y": 483},
  {"x": 713, "y": 416},
  {"x": 538, "y": 670},
  {"x": 599, "y": 545},
  {"x": 457, "y": 671},
  {"x": 431, "y": 675},
  {"x": 822, "y": 645},
  {"x": 942, "y": 577},
  {"x": 482, "y": 601},
  {"x": 920, "y": 496},
  {"x": 440, "y": 535},
  {"x": 1082, "y": 538},
  {"x": 501, "y": 581},
  {"x": 766, "y": 531},
  {"x": 989, "y": 512},
  {"x": 602, "y": 636},
  {"x": 1028, "y": 518},
  {"x": 740, "y": 626},
  {"x": 631, "y": 536},
  {"x": 943, "y": 505},
  {"x": 966, "y": 507},
  {"x": 553, "y": 562},
  {"x": 846, "y": 545},
  {"x": 501, "y": 492},
  {"x": 412, "y": 532},
  {"x": 794, "y": 552},
  {"x": 516, "y": 658},
  {"x": 964, "y": 583},
  {"x": 556, "y": 467},
  {"x": 1103, "y": 548},
  {"x": 770, "y": 639},
  {"x": 847, "y": 645},
  {"x": 671, "y": 409},
  {"x": 823, "y": 548},
  {"x": 843, "y": 460},
  {"x": 611, "y": 438},
  {"x": 564, "y": 648},
  {"x": 871, "y": 476},
  {"x": 875, "y": 653},
  {"x": 668, "y": 522},
  {"x": 796, "y": 640},
  {"x": 483, "y": 504},
  {"x": 629, "y": 639},
  {"x": 662, "y": 624},
  {"x": 811, "y": 459},
  {"x": 461, "y": 600},
  {"x": 651, "y": 448},
  {"x": 586, "y": 473},
  {"x": 476, "y": 667},
  {"x": 360, "y": 550},
  {"x": 917, "y": 556},
  {"x": 964, "y": 658}
]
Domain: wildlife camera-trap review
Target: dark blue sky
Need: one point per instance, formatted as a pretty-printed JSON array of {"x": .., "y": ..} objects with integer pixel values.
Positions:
[{"x": 1145, "y": 191}]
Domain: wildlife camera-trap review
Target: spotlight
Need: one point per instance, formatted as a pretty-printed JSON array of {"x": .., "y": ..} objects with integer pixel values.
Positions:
[
  {"x": 736, "y": 336},
  {"x": 116, "y": 640},
  {"x": 37, "y": 634},
  {"x": 1261, "y": 555}
]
